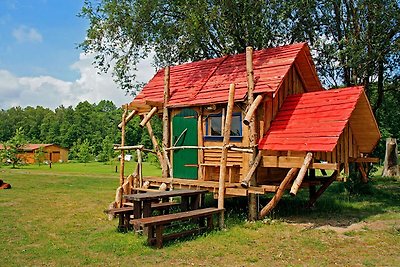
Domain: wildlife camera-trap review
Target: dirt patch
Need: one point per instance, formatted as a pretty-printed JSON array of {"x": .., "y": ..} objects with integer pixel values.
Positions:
[{"x": 352, "y": 227}]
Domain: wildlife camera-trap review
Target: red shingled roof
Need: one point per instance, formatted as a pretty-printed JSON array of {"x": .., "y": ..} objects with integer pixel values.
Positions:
[
  {"x": 207, "y": 82},
  {"x": 314, "y": 121}
]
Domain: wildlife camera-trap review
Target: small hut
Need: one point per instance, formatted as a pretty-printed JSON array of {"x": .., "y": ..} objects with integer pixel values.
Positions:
[
  {"x": 51, "y": 152},
  {"x": 254, "y": 123}
]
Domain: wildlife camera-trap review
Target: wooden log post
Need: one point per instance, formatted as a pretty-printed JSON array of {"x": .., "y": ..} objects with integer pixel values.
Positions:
[
  {"x": 390, "y": 166},
  {"x": 322, "y": 188},
  {"x": 148, "y": 116},
  {"x": 303, "y": 170},
  {"x": 363, "y": 173},
  {"x": 252, "y": 109},
  {"x": 279, "y": 193},
  {"x": 122, "y": 160},
  {"x": 155, "y": 143},
  {"x": 252, "y": 127},
  {"x": 128, "y": 118},
  {"x": 165, "y": 123},
  {"x": 245, "y": 182},
  {"x": 224, "y": 154},
  {"x": 139, "y": 167}
]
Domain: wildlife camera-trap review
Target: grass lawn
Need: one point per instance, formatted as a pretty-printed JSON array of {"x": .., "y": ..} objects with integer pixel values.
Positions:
[{"x": 54, "y": 217}]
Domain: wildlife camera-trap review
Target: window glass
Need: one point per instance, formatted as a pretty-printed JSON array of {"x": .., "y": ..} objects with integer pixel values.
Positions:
[{"x": 214, "y": 125}]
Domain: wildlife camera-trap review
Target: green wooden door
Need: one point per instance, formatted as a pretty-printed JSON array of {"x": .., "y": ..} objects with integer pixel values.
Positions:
[{"x": 184, "y": 133}]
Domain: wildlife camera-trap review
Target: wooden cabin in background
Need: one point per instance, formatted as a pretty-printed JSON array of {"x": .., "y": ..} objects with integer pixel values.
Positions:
[
  {"x": 53, "y": 153},
  {"x": 283, "y": 124}
]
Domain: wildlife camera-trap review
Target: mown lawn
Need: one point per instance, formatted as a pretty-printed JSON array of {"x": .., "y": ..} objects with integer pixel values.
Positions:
[{"x": 54, "y": 217}]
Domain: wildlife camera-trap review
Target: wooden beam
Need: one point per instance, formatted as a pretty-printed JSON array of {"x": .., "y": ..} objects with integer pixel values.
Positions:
[
  {"x": 224, "y": 155},
  {"x": 141, "y": 147},
  {"x": 245, "y": 182},
  {"x": 322, "y": 188},
  {"x": 294, "y": 162},
  {"x": 139, "y": 166},
  {"x": 359, "y": 160},
  {"x": 279, "y": 193},
  {"x": 128, "y": 118},
  {"x": 165, "y": 122},
  {"x": 253, "y": 107},
  {"x": 303, "y": 170},
  {"x": 364, "y": 175},
  {"x": 252, "y": 128},
  {"x": 155, "y": 143},
  {"x": 122, "y": 160},
  {"x": 148, "y": 117}
]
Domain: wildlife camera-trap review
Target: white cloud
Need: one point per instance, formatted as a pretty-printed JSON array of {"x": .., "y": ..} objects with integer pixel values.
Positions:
[
  {"x": 25, "y": 34},
  {"x": 50, "y": 92}
]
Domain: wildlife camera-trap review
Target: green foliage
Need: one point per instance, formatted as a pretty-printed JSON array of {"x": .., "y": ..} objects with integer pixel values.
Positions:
[
  {"x": 153, "y": 160},
  {"x": 107, "y": 150},
  {"x": 13, "y": 147},
  {"x": 39, "y": 155},
  {"x": 83, "y": 151}
]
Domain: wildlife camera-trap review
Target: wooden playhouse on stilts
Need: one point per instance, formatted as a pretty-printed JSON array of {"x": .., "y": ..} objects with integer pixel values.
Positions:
[{"x": 253, "y": 123}]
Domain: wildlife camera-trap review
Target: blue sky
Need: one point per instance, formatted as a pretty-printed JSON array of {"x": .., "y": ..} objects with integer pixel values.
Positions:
[{"x": 39, "y": 61}]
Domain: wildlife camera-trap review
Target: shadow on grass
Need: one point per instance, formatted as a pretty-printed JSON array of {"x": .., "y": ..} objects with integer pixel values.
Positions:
[{"x": 336, "y": 207}]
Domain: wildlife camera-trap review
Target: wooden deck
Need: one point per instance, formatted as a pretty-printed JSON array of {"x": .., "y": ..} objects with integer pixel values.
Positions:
[{"x": 231, "y": 189}]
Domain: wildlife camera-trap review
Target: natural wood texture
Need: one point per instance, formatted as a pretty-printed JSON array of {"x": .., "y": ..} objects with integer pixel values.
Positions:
[
  {"x": 364, "y": 175},
  {"x": 252, "y": 128},
  {"x": 165, "y": 123},
  {"x": 139, "y": 167},
  {"x": 156, "y": 236},
  {"x": 224, "y": 155},
  {"x": 122, "y": 160},
  {"x": 367, "y": 159},
  {"x": 294, "y": 162},
  {"x": 322, "y": 188},
  {"x": 252, "y": 109},
  {"x": 148, "y": 116},
  {"x": 200, "y": 142},
  {"x": 155, "y": 143},
  {"x": 391, "y": 167},
  {"x": 245, "y": 182},
  {"x": 128, "y": 118},
  {"x": 303, "y": 170},
  {"x": 279, "y": 193},
  {"x": 229, "y": 147},
  {"x": 141, "y": 147}
]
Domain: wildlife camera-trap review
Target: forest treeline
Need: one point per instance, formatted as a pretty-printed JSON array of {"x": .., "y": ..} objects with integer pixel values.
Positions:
[{"x": 91, "y": 125}]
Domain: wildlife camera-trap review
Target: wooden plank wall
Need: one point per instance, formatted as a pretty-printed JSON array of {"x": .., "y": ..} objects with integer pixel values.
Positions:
[{"x": 291, "y": 85}]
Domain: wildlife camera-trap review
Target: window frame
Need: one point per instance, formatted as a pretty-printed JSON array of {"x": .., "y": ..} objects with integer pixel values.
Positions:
[{"x": 220, "y": 115}]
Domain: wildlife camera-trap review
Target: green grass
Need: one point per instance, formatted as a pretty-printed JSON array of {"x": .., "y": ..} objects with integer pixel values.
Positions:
[{"x": 54, "y": 217}]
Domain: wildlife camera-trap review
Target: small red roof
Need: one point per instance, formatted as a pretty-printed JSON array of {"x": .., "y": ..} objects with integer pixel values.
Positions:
[
  {"x": 314, "y": 121},
  {"x": 207, "y": 82},
  {"x": 31, "y": 147}
]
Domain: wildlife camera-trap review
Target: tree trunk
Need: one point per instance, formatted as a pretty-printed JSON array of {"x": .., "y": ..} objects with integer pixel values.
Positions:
[{"x": 391, "y": 168}]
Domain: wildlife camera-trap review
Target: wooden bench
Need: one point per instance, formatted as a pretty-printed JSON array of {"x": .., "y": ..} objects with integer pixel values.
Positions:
[
  {"x": 124, "y": 213},
  {"x": 211, "y": 170},
  {"x": 155, "y": 225}
]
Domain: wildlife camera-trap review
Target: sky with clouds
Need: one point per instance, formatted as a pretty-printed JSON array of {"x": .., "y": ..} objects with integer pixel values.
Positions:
[{"x": 39, "y": 61}]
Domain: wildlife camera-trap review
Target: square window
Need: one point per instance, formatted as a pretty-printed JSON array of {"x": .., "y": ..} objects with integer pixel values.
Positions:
[{"x": 214, "y": 125}]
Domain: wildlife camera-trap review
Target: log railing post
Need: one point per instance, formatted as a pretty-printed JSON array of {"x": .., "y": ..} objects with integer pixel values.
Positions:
[
  {"x": 224, "y": 154},
  {"x": 122, "y": 160},
  {"x": 165, "y": 122},
  {"x": 252, "y": 128}
]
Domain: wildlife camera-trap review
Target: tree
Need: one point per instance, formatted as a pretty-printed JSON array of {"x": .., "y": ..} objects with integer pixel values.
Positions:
[
  {"x": 39, "y": 155},
  {"x": 107, "y": 152},
  {"x": 121, "y": 33},
  {"x": 14, "y": 147},
  {"x": 84, "y": 151}
]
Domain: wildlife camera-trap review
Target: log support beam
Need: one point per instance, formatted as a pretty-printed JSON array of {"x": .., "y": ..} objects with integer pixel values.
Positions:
[
  {"x": 279, "y": 193},
  {"x": 252, "y": 109},
  {"x": 165, "y": 123},
  {"x": 253, "y": 168},
  {"x": 322, "y": 188},
  {"x": 300, "y": 177},
  {"x": 224, "y": 154},
  {"x": 128, "y": 118},
  {"x": 148, "y": 116}
]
